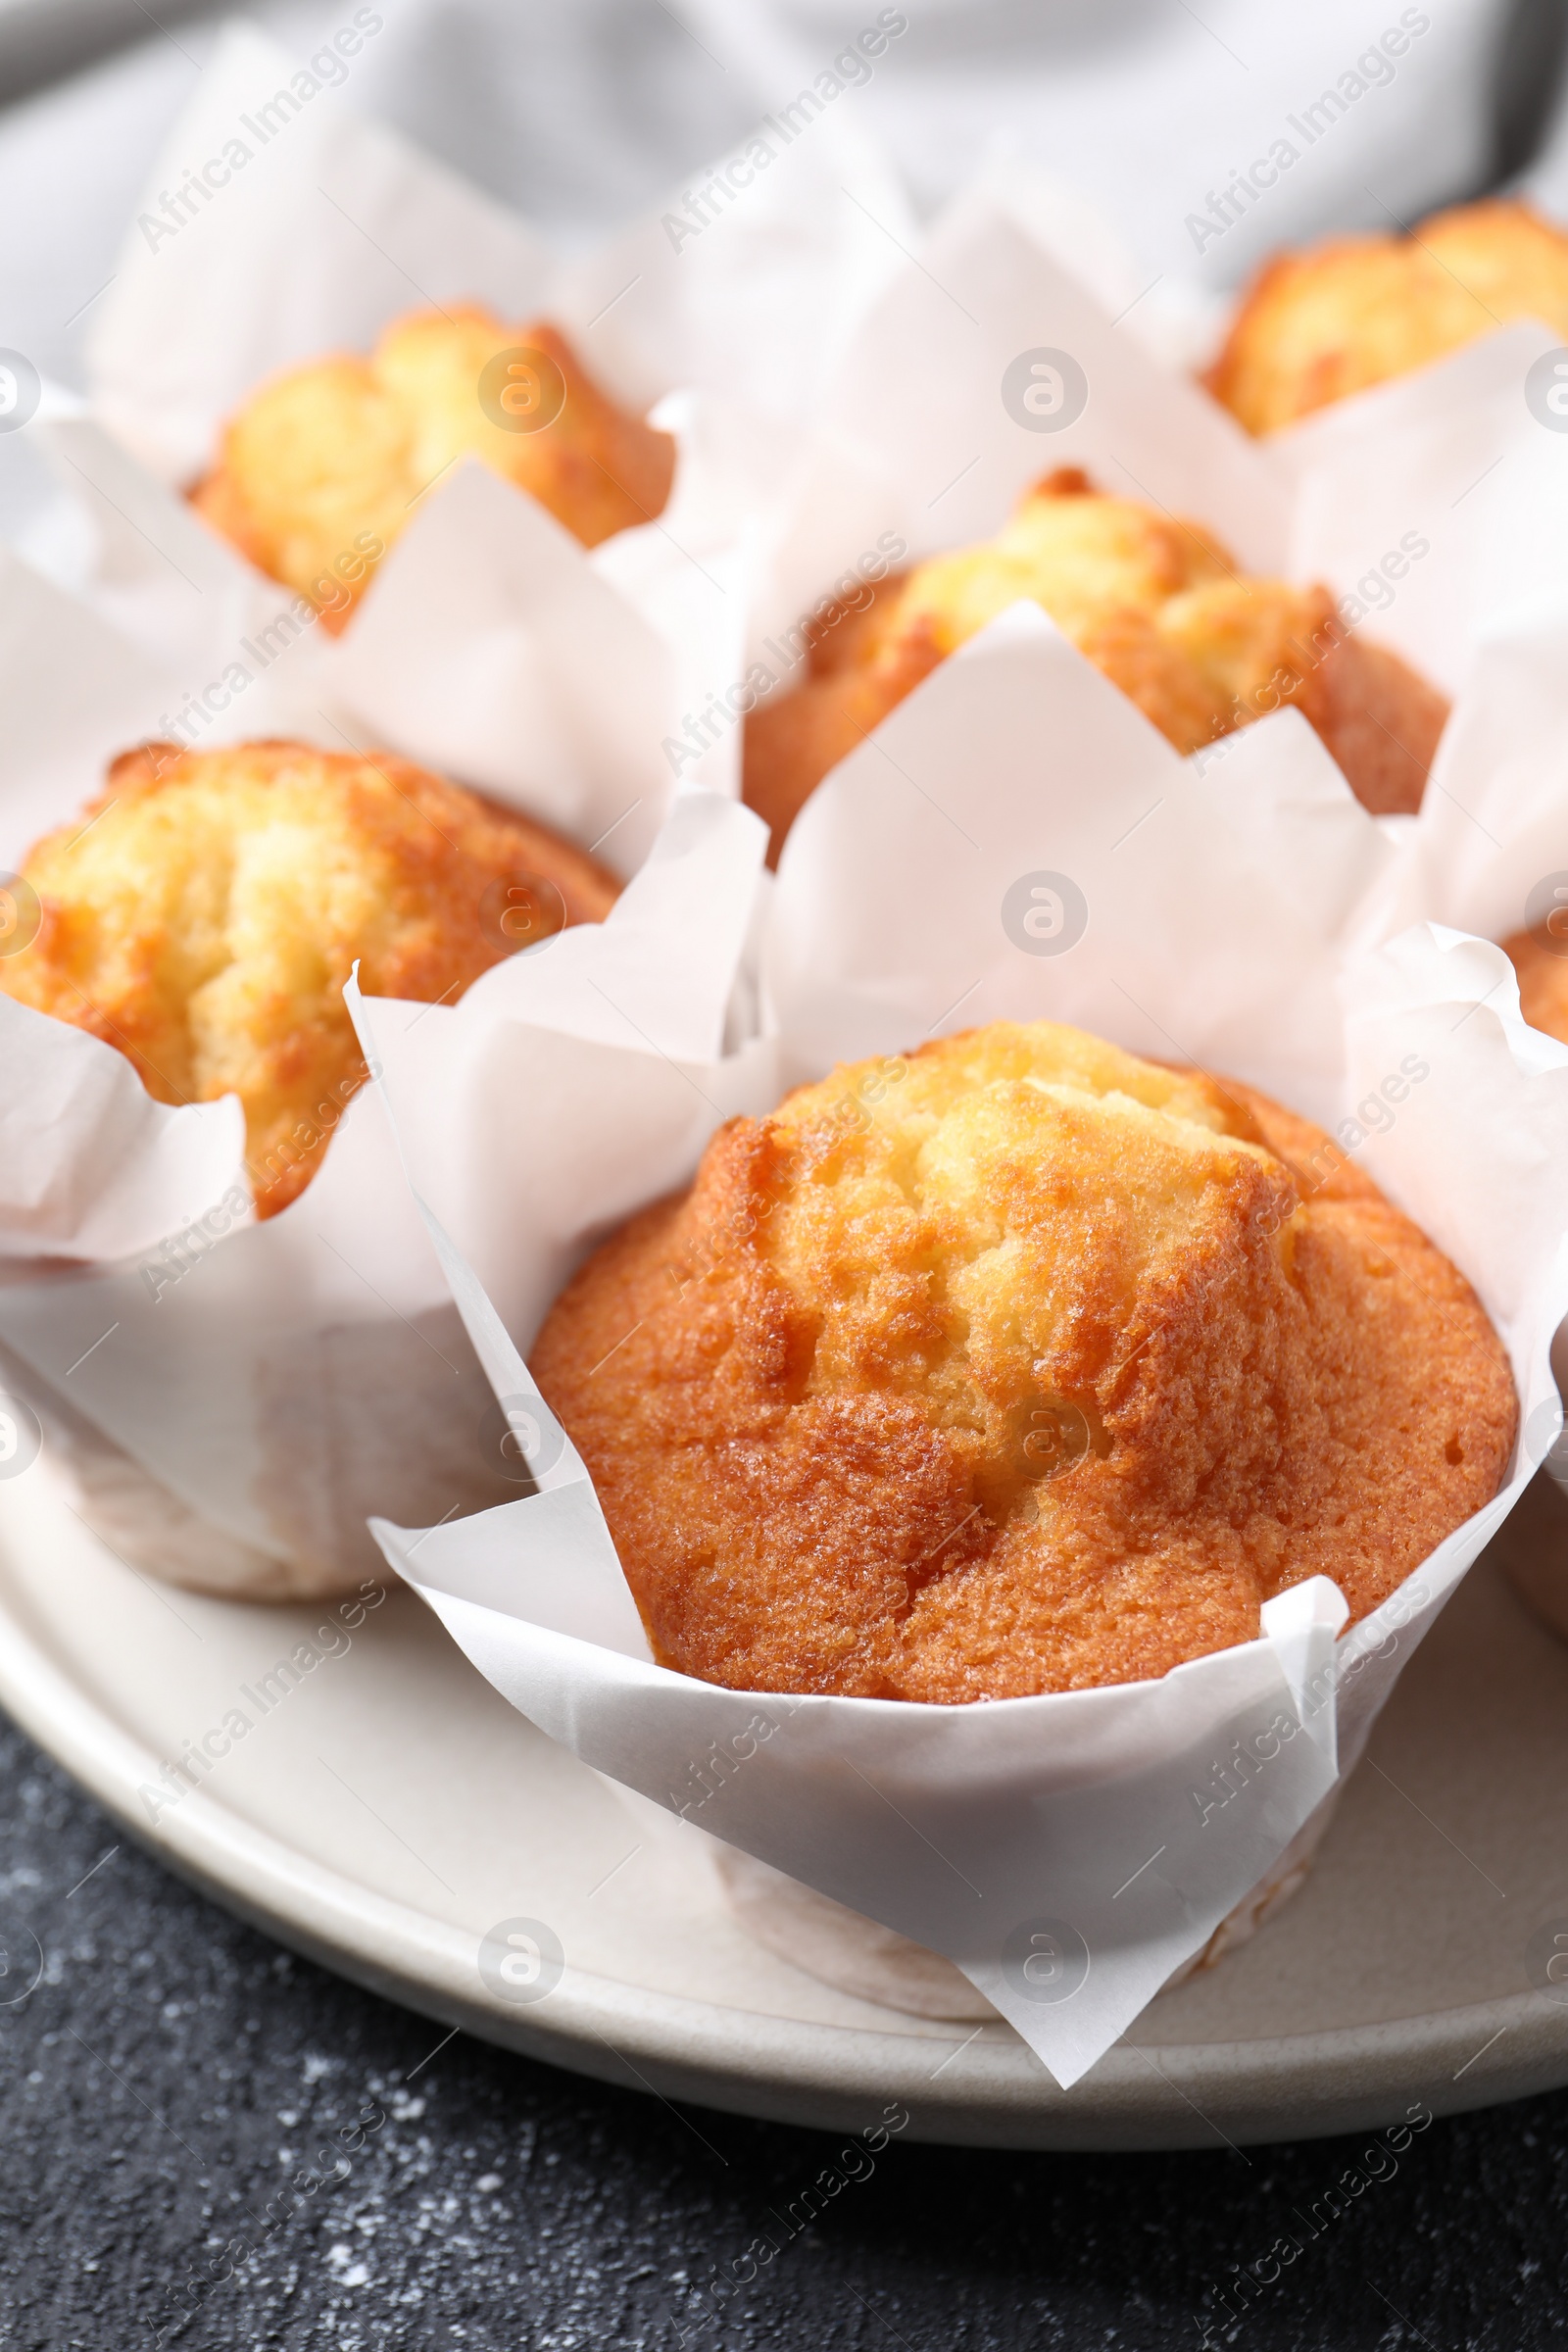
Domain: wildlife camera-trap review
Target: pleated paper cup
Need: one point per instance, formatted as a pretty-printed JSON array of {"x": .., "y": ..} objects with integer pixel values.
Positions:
[{"x": 1050, "y": 1847}]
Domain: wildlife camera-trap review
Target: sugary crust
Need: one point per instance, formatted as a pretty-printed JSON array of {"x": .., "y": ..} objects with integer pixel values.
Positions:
[
  {"x": 1355, "y": 311},
  {"x": 1153, "y": 603},
  {"x": 203, "y": 913},
  {"x": 322, "y": 469},
  {"x": 815, "y": 1393}
]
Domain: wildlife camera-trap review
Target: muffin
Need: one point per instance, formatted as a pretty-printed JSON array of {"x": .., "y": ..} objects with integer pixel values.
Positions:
[
  {"x": 1355, "y": 311},
  {"x": 1154, "y": 602},
  {"x": 1540, "y": 959},
  {"x": 203, "y": 913},
  {"x": 1017, "y": 1365},
  {"x": 323, "y": 468}
]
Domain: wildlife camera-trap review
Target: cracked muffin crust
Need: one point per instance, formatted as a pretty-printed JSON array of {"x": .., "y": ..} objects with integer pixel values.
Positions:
[
  {"x": 1017, "y": 1365},
  {"x": 203, "y": 913},
  {"x": 1354, "y": 312},
  {"x": 1156, "y": 603}
]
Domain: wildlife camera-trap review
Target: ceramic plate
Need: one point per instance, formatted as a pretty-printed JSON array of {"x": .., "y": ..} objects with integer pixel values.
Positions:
[{"x": 384, "y": 1811}]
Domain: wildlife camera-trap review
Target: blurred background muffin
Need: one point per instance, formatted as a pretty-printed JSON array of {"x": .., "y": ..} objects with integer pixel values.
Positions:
[
  {"x": 322, "y": 470},
  {"x": 1355, "y": 311},
  {"x": 1539, "y": 959},
  {"x": 1154, "y": 602},
  {"x": 1017, "y": 1365},
  {"x": 205, "y": 911}
]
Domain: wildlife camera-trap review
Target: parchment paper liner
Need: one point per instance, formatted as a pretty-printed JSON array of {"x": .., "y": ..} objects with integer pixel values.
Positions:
[
  {"x": 845, "y": 1949},
  {"x": 342, "y": 1417}
]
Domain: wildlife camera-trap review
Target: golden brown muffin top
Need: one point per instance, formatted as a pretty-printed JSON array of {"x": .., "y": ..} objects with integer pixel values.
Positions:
[
  {"x": 1154, "y": 601},
  {"x": 205, "y": 911},
  {"x": 1354, "y": 311},
  {"x": 1017, "y": 1365},
  {"x": 323, "y": 468}
]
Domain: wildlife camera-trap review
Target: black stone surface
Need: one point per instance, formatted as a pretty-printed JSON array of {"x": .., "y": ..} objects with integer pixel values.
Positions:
[{"x": 172, "y": 2071}]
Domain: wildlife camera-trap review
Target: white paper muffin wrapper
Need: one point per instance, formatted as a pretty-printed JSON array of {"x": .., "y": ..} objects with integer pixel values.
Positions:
[
  {"x": 1117, "y": 1825},
  {"x": 847, "y": 1950}
]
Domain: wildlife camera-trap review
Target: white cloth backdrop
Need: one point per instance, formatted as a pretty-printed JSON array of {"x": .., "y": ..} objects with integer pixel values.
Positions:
[{"x": 579, "y": 115}]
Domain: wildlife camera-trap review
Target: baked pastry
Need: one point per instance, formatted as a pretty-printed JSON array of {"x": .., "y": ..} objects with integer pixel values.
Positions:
[
  {"x": 1539, "y": 959},
  {"x": 1154, "y": 602},
  {"x": 203, "y": 913},
  {"x": 1355, "y": 311},
  {"x": 323, "y": 468},
  {"x": 1018, "y": 1365}
]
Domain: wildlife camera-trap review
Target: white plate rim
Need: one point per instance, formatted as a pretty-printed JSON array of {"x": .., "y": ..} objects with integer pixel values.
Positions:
[{"x": 1291, "y": 2086}]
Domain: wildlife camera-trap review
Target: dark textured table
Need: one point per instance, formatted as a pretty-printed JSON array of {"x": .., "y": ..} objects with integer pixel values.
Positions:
[{"x": 181, "y": 2096}]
